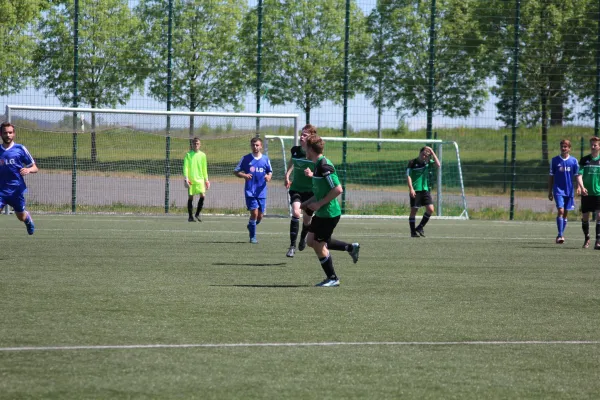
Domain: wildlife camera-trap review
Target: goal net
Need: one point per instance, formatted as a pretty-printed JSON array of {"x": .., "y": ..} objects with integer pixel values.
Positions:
[
  {"x": 130, "y": 161},
  {"x": 373, "y": 174}
]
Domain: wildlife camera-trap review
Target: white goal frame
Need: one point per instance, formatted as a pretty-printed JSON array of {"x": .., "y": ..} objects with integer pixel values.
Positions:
[{"x": 439, "y": 198}]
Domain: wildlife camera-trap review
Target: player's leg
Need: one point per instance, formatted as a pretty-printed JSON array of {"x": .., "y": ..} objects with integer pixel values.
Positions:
[
  {"x": 252, "y": 206},
  {"x": 320, "y": 232},
  {"x": 586, "y": 209},
  {"x": 190, "y": 207},
  {"x": 425, "y": 200},
  {"x": 262, "y": 209},
  {"x": 295, "y": 202},
  {"x": 199, "y": 208},
  {"x": 412, "y": 217},
  {"x": 306, "y": 220},
  {"x": 18, "y": 204}
]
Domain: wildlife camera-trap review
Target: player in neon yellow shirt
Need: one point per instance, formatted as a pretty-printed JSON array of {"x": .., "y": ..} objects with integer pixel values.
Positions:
[{"x": 195, "y": 174}]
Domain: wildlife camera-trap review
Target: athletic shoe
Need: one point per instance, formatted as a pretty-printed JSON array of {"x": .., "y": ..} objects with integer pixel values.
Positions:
[
  {"x": 586, "y": 243},
  {"x": 420, "y": 231},
  {"x": 302, "y": 244},
  {"x": 560, "y": 240},
  {"x": 354, "y": 252},
  {"x": 291, "y": 251},
  {"x": 199, "y": 218},
  {"x": 253, "y": 240},
  {"x": 191, "y": 219},
  {"x": 329, "y": 283},
  {"x": 414, "y": 234},
  {"x": 597, "y": 245},
  {"x": 30, "y": 226}
]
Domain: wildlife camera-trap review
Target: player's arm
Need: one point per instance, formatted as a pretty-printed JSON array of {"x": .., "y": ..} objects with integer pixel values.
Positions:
[
  {"x": 580, "y": 186},
  {"x": 550, "y": 186},
  {"x": 435, "y": 159},
  {"x": 32, "y": 169},
  {"x": 332, "y": 194},
  {"x": 186, "y": 174},
  {"x": 239, "y": 171},
  {"x": 304, "y": 205},
  {"x": 411, "y": 190},
  {"x": 287, "y": 176},
  {"x": 269, "y": 171},
  {"x": 205, "y": 172}
]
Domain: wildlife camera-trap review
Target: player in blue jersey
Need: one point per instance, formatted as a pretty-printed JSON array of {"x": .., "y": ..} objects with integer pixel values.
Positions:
[
  {"x": 563, "y": 169},
  {"x": 15, "y": 163},
  {"x": 255, "y": 169}
]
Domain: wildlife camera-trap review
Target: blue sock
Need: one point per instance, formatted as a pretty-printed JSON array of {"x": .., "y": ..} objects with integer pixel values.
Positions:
[
  {"x": 560, "y": 223},
  {"x": 258, "y": 222},
  {"x": 564, "y": 225},
  {"x": 252, "y": 227}
]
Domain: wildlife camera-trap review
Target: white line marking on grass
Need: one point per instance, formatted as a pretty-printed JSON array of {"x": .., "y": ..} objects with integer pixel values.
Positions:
[{"x": 225, "y": 345}]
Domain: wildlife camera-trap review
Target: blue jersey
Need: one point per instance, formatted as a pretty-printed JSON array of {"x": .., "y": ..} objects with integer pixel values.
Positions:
[
  {"x": 258, "y": 167},
  {"x": 11, "y": 161},
  {"x": 563, "y": 172}
]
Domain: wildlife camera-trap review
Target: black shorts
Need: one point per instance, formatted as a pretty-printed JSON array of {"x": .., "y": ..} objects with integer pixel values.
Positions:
[
  {"x": 301, "y": 197},
  {"x": 322, "y": 228},
  {"x": 590, "y": 203},
  {"x": 422, "y": 198}
]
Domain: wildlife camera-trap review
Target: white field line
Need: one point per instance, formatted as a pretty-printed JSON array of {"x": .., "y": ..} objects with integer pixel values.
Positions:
[{"x": 309, "y": 344}]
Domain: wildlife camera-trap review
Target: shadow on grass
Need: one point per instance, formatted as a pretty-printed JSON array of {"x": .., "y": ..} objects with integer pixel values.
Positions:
[
  {"x": 251, "y": 264},
  {"x": 264, "y": 286}
]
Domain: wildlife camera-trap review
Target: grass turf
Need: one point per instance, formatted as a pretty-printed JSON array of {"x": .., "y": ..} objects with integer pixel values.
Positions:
[{"x": 107, "y": 280}]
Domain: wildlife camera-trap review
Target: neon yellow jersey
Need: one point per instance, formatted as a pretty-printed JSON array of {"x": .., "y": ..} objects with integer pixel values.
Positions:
[{"x": 195, "y": 167}]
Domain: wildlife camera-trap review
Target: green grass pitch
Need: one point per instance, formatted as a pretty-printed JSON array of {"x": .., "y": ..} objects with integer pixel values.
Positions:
[{"x": 476, "y": 310}]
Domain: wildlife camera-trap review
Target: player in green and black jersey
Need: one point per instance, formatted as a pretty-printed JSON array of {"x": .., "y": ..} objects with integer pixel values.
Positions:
[
  {"x": 300, "y": 190},
  {"x": 326, "y": 188},
  {"x": 417, "y": 175},
  {"x": 589, "y": 167}
]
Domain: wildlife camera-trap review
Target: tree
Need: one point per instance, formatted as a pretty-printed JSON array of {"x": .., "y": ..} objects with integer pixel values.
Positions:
[
  {"x": 461, "y": 61},
  {"x": 551, "y": 44},
  {"x": 110, "y": 68},
  {"x": 207, "y": 68},
  {"x": 18, "y": 43},
  {"x": 303, "y": 50}
]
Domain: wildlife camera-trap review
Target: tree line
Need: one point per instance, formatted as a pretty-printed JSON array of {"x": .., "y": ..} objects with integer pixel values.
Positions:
[{"x": 123, "y": 49}]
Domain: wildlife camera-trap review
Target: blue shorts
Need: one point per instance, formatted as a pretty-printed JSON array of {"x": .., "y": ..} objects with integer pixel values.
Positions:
[
  {"x": 566, "y": 202},
  {"x": 252, "y": 203},
  {"x": 16, "y": 201}
]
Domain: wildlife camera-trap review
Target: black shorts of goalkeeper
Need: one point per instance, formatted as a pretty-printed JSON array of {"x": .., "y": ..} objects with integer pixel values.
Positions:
[{"x": 422, "y": 198}]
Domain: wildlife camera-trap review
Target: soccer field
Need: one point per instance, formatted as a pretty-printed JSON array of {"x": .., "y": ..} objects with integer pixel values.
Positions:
[{"x": 156, "y": 307}]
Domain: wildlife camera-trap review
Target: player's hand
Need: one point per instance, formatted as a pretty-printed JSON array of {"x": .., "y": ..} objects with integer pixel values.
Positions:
[
  {"x": 248, "y": 177},
  {"x": 308, "y": 172},
  {"x": 24, "y": 171},
  {"x": 187, "y": 183},
  {"x": 268, "y": 177},
  {"x": 288, "y": 183},
  {"x": 584, "y": 192},
  {"x": 314, "y": 206},
  {"x": 413, "y": 194},
  {"x": 551, "y": 197},
  {"x": 207, "y": 184}
]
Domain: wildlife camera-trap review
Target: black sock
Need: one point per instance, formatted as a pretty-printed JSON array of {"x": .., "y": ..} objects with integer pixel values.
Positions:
[
  {"x": 304, "y": 231},
  {"x": 200, "y": 205},
  {"x": 294, "y": 226},
  {"x": 327, "y": 265},
  {"x": 598, "y": 229},
  {"x": 338, "y": 245},
  {"x": 411, "y": 222},
  {"x": 190, "y": 206},
  {"x": 585, "y": 226},
  {"x": 424, "y": 220}
]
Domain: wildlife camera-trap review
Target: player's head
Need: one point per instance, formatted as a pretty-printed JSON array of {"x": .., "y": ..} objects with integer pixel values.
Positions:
[
  {"x": 595, "y": 144},
  {"x": 7, "y": 130},
  {"x": 196, "y": 143},
  {"x": 565, "y": 146},
  {"x": 256, "y": 145},
  {"x": 424, "y": 153},
  {"x": 307, "y": 131},
  {"x": 314, "y": 145}
]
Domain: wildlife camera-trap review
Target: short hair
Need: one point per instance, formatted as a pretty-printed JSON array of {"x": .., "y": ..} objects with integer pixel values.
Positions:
[
  {"x": 315, "y": 143},
  {"x": 255, "y": 139},
  {"x": 565, "y": 141},
  {"x": 6, "y": 125},
  {"x": 195, "y": 139},
  {"x": 311, "y": 129},
  {"x": 594, "y": 139}
]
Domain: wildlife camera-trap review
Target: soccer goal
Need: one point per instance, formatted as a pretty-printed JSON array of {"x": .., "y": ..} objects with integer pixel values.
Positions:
[
  {"x": 130, "y": 161},
  {"x": 373, "y": 174}
]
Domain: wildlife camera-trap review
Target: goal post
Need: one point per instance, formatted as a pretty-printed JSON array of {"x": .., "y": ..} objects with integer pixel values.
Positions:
[
  {"x": 373, "y": 174},
  {"x": 130, "y": 161}
]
